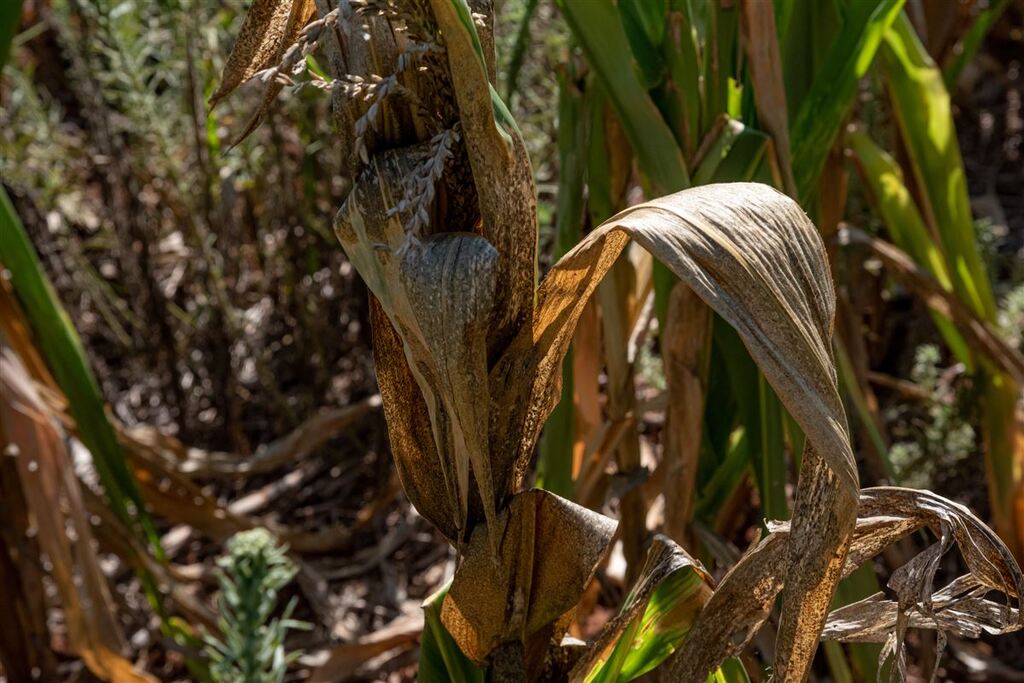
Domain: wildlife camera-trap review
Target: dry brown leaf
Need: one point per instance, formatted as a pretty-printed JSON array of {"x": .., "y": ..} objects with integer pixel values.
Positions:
[
  {"x": 754, "y": 257},
  {"x": 450, "y": 282},
  {"x": 760, "y": 40},
  {"x": 685, "y": 349},
  {"x": 619, "y": 308},
  {"x": 52, "y": 493},
  {"x": 502, "y": 175},
  {"x": 548, "y": 548},
  {"x": 300, "y": 13},
  {"x": 344, "y": 660},
  {"x": 268, "y": 26}
]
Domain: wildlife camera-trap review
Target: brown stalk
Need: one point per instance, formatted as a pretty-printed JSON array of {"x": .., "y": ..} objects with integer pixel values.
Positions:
[
  {"x": 686, "y": 350},
  {"x": 760, "y": 40},
  {"x": 980, "y": 333}
]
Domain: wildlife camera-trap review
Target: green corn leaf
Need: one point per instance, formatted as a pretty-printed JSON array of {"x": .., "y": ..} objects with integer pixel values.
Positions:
[
  {"x": 921, "y": 105},
  {"x": 721, "y": 44},
  {"x": 654, "y": 620},
  {"x": 891, "y": 198},
  {"x": 682, "y": 59},
  {"x": 807, "y": 31},
  {"x": 597, "y": 27},
  {"x": 825, "y": 107},
  {"x": 441, "y": 660},
  {"x": 664, "y": 624},
  {"x": 63, "y": 352},
  {"x": 644, "y": 25}
]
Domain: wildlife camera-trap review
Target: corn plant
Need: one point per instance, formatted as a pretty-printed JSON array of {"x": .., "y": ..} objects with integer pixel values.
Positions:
[{"x": 440, "y": 222}]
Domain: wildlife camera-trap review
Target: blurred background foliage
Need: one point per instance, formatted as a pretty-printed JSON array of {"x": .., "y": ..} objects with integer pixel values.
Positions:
[{"x": 228, "y": 334}]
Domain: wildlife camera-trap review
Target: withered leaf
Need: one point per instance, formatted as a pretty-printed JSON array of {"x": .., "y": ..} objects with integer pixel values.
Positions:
[
  {"x": 547, "y": 549},
  {"x": 450, "y": 282},
  {"x": 438, "y": 295},
  {"x": 756, "y": 259},
  {"x": 501, "y": 171},
  {"x": 886, "y": 514},
  {"x": 267, "y": 26},
  {"x": 270, "y": 28}
]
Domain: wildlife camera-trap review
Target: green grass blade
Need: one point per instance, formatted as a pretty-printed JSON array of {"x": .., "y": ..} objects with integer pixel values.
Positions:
[
  {"x": 554, "y": 464},
  {"x": 971, "y": 42},
  {"x": 823, "y": 111},
  {"x": 515, "y": 61},
  {"x": 63, "y": 352}
]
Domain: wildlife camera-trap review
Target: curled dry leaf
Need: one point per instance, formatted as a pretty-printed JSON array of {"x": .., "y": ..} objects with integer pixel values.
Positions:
[
  {"x": 270, "y": 27},
  {"x": 960, "y": 607},
  {"x": 547, "y": 550},
  {"x": 438, "y": 295},
  {"x": 886, "y": 514}
]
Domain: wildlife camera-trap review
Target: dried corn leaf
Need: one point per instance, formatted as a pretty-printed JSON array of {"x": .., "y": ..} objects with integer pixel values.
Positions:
[
  {"x": 501, "y": 171},
  {"x": 754, "y": 257},
  {"x": 265, "y": 29},
  {"x": 547, "y": 549},
  {"x": 53, "y": 496},
  {"x": 685, "y": 349},
  {"x": 450, "y": 282},
  {"x": 438, "y": 295},
  {"x": 886, "y": 515},
  {"x": 410, "y": 433},
  {"x": 300, "y": 14}
]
